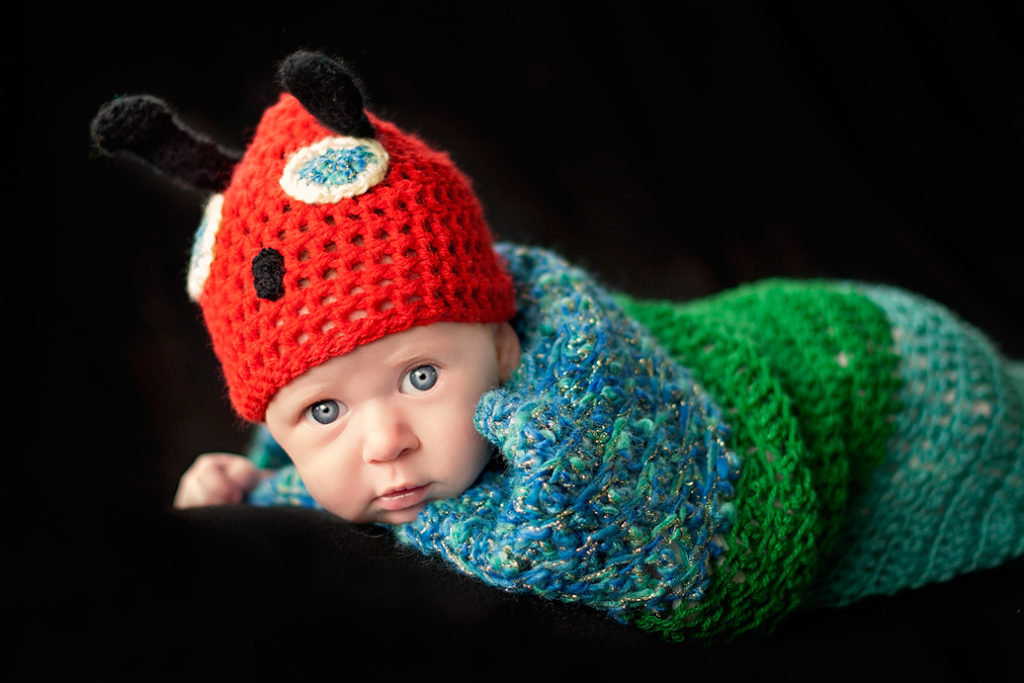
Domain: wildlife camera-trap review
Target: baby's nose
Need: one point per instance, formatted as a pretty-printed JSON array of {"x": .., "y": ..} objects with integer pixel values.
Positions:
[{"x": 386, "y": 436}]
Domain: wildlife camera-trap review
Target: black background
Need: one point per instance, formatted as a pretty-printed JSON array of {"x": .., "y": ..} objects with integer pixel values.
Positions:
[{"x": 674, "y": 153}]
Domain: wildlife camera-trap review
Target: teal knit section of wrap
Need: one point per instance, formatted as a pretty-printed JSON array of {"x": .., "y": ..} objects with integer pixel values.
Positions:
[
  {"x": 617, "y": 474},
  {"x": 949, "y": 496}
]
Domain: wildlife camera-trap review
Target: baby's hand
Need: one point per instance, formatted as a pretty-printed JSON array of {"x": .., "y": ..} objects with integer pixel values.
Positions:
[{"x": 217, "y": 479}]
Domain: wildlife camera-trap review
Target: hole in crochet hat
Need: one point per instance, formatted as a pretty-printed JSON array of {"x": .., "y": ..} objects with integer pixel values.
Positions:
[
  {"x": 303, "y": 283},
  {"x": 330, "y": 274},
  {"x": 356, "y": 315},
  {"x": 385, "y": 305},
  {"x": 357, "y": 240},
  {"x": 327, "y": 326},
  {"x": 330, "y": 247},
  {"x": 304, "y": 255}
]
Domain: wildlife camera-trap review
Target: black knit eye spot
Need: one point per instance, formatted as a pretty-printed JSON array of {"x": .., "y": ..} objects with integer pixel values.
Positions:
[{"x": 268, "y": 274}]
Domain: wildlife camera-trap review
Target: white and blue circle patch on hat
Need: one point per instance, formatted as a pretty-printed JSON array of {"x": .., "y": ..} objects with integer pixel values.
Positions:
[
  {"x": 334, "y": 168},
  {"x": 202, "y": 247}
]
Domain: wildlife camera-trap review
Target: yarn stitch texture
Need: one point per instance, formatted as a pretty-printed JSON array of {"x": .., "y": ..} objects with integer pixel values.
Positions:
[{"x": 949, "y": 496}]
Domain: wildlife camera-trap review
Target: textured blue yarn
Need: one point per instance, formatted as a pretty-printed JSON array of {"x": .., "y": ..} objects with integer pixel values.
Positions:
[
  {"x": 337, "y": 167},
  {"x": 285, "y": 487},
  {"x": 617, "y": 474}
]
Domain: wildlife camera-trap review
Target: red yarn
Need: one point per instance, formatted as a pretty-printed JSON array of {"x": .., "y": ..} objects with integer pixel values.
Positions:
[{"x": 413, "y": 250}]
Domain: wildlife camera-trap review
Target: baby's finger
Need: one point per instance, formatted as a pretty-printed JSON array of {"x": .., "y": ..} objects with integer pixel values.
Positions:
[
  {"x": 207, "y": 483},
  {"x": 242, "y": 472}
]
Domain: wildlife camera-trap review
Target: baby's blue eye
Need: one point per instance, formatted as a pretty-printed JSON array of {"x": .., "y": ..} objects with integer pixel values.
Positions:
[
  {"x": 325, "y": 412},
  {"x": 423, "y": 377}
]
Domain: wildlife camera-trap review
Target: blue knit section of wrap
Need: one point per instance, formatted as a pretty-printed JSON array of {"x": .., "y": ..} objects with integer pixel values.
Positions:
[{"x": 617, "y": 476}]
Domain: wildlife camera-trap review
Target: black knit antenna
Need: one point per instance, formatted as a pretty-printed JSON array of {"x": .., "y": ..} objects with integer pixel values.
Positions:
[
  {"x": 144, "y": 127},
  {"x": 328, "y": 91}
]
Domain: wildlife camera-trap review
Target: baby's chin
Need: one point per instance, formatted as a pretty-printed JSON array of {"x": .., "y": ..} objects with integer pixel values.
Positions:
[
  {"x": 382, "y": 516},
  {"x": 400, "y": 516}
]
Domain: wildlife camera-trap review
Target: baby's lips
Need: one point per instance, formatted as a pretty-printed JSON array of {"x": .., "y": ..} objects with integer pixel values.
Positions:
[{"x": 403, "y": 498}]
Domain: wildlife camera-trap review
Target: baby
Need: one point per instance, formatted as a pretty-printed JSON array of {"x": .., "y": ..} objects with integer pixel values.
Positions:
[{"x": 697, "y": 469}]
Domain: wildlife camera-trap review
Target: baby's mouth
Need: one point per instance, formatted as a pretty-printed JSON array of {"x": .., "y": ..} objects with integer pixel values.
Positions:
[{"x": 401, "y": 498}]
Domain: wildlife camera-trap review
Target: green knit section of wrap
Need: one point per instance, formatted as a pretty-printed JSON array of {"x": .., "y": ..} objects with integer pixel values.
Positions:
[{"x": 808, "y": 380}]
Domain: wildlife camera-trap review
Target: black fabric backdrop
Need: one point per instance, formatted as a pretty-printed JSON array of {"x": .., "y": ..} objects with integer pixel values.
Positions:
[{"x": 674, "y": 153}]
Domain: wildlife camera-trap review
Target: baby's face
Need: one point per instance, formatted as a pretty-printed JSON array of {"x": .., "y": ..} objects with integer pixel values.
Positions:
[{"x": 378, "y": 432}]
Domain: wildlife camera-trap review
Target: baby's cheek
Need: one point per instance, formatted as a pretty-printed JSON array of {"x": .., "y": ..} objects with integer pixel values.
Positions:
[{"x": 326, "y": 489}]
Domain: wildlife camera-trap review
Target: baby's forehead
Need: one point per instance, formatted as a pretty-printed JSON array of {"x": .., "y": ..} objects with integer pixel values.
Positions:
[
  {"x": 434, "y": 335},
  {"x": 435, "y": 340}
]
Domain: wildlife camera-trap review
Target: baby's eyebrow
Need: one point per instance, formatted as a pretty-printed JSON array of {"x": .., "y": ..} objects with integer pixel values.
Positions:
[
  {"x": 402, "y": 358},
  {"x": 307, "y": 396}
]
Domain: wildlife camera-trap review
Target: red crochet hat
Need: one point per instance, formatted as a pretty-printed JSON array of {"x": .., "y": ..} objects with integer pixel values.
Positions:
[{"x": 335, "y": 230}]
